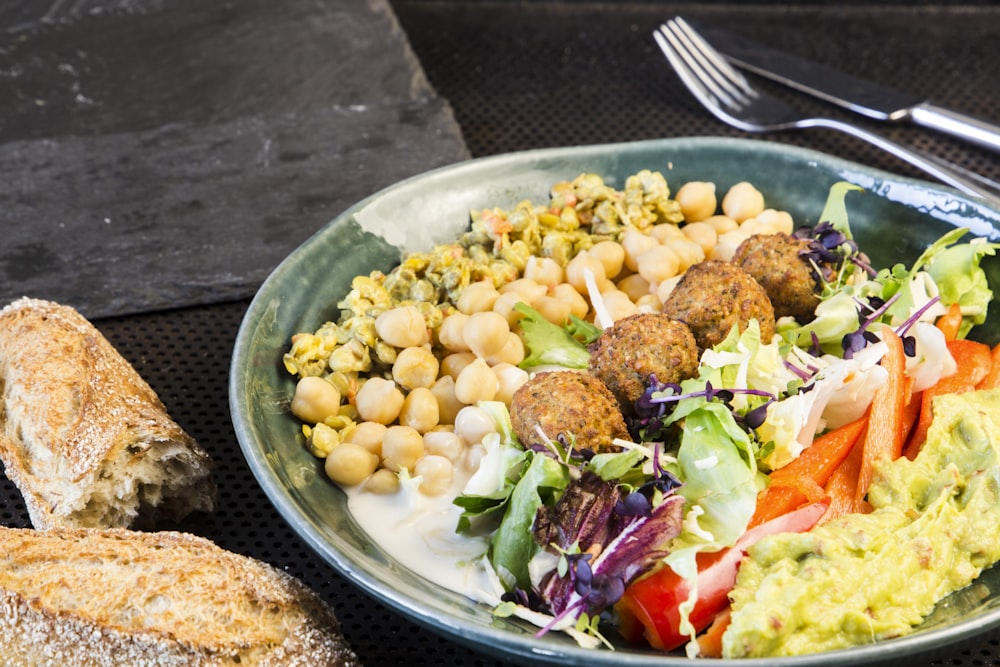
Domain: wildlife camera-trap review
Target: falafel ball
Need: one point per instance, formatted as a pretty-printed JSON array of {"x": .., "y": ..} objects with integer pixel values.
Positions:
[
  {"x": 775, "y": 261},
  {"x": 640, "y": 345},
  {"x": 714, "y": 296},
  {"x": 572, "y": 403}
]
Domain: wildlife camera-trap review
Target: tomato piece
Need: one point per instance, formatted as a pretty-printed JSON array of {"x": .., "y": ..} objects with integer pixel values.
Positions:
[{"x": 654, "y": 600}]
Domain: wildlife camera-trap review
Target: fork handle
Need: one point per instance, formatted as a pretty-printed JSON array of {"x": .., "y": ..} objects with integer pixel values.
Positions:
[
  {"x": 957, "y": 124},
  {"x": 947, "y": 172}
]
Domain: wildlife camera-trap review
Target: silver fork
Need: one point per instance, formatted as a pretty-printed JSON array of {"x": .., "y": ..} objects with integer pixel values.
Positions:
[{"x": 731, "y": 98}]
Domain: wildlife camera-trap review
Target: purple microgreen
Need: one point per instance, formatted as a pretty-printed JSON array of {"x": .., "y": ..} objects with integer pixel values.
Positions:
[
  {"x": 828, "y": 249},
  {"x": 801, "y": 373},
  {"x": 591, "y": 587},
  {"x": 905, "y": 327},
  {"x": 634, "y": 504},
  {"x": 755, "y": 418},
  {"x": 859, "y": 339}
]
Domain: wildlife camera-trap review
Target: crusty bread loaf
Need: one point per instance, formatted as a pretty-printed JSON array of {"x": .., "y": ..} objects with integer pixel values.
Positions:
[
  {"x": 84, "y": 438},
  {"x": 94, "y": 597}
]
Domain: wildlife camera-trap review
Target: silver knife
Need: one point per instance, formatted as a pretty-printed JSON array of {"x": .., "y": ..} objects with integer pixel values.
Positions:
[{"x": 861, "y": 96}]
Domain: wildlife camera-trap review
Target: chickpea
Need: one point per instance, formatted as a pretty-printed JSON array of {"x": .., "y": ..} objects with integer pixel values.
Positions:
[
  {"x": 510, "y": 377},
  {"x": 701, "y": 233},
  {"x": 403, "y": 326},
  {"x": 697, "y": 200},
  {"x": 383, "y": 482},
  {"x": 504, "y": 307},
  {"x": 448, "y": 404},
  {"x": 315, "y": 399},
  {"x": 611, "y": 255},
  {"x": 526, "y": 287},
  {"x": 450, "y": 332},
  {"x": 474, "y": 457},
  {"x": 453, "y": 364},
  {"x": 742, "y": 201},
  {"x": 664, "y": 289},
  {"x": 552, "y": 309},
  {"x": 415, "y": 367},
  {"x": 511, "y": 353},
  {"x": 420, "y": 410},
  {"x": 543, "y": 270},
  {"x": 486, "y": 333},
  {"x": 436, "y": 474},
  {"x": 618, "y": 304},
  {"x": 577, "y": 304},
  {"x": 577, "y": 268},
  {"x": 727, "y": 245},
  {"x": 477, "y": 297},
  {"x": 658, "y": 263},
  {"x": 650, "y": 303},
  {"x": 379, "y": 400},
  {"x": 666, "y": 231},
  {"x": 369, "y": 435},
  {"x": 779, "y": 221},
  {"x": 753, "y": 227},
  {"x": 476, "y": 382},
  {"x": 473, "y": 424},
  {"x": 402, "y": 447},
  {"x": 444, "y": 443},
  {"x": 688, "y": 252},
  {"x": 722, "y": 224},
  {"x": 350, "y": 464},
  {"x": 635, "y": 244},
  {"x": 635, "y": 286}
]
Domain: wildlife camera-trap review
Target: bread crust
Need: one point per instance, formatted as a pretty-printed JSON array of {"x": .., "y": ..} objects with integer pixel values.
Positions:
[
  {"x": 97, "y": 597},
  {"x": 83, "y": 437}
]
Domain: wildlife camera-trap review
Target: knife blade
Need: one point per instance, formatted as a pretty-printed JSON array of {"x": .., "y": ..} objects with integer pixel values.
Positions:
[{"x": 871, "y": 99}]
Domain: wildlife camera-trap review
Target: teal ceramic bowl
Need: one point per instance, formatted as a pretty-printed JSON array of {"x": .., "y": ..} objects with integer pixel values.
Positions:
[{"x": 893, "y": 221}]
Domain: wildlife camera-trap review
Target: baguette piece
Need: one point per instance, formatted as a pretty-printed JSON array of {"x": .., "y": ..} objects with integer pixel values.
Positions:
[
  {"x": 82, "y": 436},
  {"x": 95, "y": 597}
]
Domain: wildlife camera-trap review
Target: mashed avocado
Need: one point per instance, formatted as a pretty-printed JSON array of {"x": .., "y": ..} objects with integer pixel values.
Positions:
[{"x": 867, "y": 577}]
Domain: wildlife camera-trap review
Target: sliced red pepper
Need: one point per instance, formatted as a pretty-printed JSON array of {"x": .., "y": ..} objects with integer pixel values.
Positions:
[
  {"x": 654, "y": 601},
  {"x": 884, "y": 436}
]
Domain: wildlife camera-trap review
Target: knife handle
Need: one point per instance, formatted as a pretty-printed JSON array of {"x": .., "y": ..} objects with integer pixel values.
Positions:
[{"x": 957, "y": 124}]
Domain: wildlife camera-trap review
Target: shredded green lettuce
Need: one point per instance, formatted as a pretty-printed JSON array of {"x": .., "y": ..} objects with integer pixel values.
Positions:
[
  {"x": 960, "y": 279},
  {"x": 548, "y": 344}
]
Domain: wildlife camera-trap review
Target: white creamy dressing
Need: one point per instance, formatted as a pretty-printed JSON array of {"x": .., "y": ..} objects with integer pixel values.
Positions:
[{"x": 418, "y": 531}]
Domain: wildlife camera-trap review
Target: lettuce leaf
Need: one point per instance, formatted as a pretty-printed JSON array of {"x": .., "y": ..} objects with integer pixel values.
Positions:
[
  {"x": 960, "y": 279},
  {"x": 513, "y": 544},
  {"x": 548, "y": 344}
]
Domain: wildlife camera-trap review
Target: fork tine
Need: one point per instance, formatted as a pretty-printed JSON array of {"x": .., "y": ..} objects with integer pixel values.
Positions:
[
  {"x": 688, "y": 77},
  {"x": 718, "y": 61},
  {"x": 711, "y": 64},
  {"x": 684, "y": 63}
]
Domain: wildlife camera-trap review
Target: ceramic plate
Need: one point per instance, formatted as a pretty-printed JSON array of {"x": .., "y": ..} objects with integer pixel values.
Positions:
[{"x": 892, "y": 221}]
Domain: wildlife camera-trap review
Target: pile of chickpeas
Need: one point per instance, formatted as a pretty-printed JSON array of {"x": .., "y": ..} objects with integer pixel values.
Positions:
[{"x": 423, "y": 419}]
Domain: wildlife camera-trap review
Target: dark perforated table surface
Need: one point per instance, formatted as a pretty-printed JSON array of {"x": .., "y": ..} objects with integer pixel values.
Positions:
[{"x": 522, "y": 75}]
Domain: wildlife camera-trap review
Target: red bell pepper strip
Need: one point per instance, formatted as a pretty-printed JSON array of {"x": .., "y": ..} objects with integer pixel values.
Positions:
[
  {"x": 992, "y": 379},
  {"x": 802, "y": 480},
  {"x": 710, "y": 641},
  {"x": 950, "y": 322},
  {"x": 884, "y": 437},
  {"x": 842, "y": 486},
  {"x": 654, "y": 600}
]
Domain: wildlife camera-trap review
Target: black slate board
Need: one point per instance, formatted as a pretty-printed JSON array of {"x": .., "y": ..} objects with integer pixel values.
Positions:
[{"x": 164, "y": 154}]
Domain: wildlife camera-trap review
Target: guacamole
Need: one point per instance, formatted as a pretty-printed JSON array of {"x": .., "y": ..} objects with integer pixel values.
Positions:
[{"x": 867, "y": 577}]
